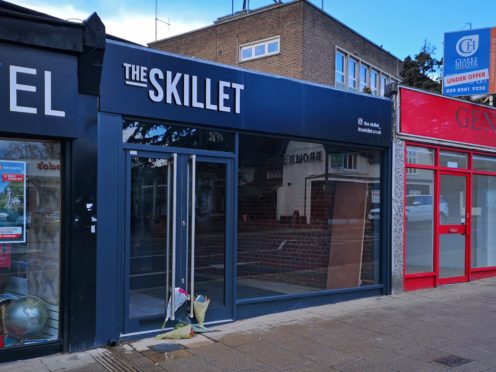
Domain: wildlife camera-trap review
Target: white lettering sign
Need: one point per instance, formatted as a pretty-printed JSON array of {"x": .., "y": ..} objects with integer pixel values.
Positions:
[
  {"x": 184, "y": 89},
  {"x": 15, "y": 89}
]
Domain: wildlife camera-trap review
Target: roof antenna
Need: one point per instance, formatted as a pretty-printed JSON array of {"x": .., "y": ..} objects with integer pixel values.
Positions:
[
  {"x": 159, "y": 20},
  {"x": 246, "y": 4}
]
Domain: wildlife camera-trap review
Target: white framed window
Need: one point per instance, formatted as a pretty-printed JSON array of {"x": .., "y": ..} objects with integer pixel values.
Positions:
[
  {"x": 260, "y": 49},
  {"x": 384, "y": 80},
  {"x": 355, "y": 74},
  {"x": 350, "y": 161},
  {"x": 374, "y": 76},
  {"x": 364, "y": 77},
  {"x": 352, "y": 73},
  {"x": 340, "y": 71}
]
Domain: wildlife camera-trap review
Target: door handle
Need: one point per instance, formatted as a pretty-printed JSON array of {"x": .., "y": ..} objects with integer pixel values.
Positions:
[
  {"x": 193, "y": 225},
  {"x": 167, "y": 237},
  {"x": 174, "y": 215}
]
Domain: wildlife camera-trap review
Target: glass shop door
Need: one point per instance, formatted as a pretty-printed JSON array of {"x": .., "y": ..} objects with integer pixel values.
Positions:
[
  {"x": 179, "y": 208},
  {"x": 454, "y": 226}
]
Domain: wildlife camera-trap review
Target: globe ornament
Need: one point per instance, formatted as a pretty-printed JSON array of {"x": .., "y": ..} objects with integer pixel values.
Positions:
[{"x": 26, "y": 317}]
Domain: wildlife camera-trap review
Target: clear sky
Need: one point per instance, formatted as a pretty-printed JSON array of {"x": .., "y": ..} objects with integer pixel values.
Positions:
[{"x": 400, "y": 26}]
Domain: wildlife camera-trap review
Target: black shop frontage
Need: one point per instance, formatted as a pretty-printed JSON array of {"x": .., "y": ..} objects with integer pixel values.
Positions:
[
  {"x": 260, "y": 192},
  {"x": 171, "y": 175},
  {"x": 49, "y": 86}
]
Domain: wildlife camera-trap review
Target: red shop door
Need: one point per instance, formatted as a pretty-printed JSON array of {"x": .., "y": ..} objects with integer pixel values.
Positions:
[{"x": 453, "y": 229}]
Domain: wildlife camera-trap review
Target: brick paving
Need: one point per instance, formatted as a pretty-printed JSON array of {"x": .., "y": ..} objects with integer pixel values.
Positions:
[{"x": 404, "y": 332}]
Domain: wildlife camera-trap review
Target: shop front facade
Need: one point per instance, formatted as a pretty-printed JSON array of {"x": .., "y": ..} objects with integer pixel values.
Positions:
[
  {"x": 445, "y": 187},
  {"x": 48, "y": 110},
  {"x": 260, "y": 192}
]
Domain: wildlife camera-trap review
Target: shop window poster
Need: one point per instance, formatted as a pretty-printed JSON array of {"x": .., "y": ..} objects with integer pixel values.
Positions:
[{"x": 12, "y": 201}]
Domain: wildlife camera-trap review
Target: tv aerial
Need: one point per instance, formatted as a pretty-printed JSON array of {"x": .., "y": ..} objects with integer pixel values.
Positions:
[{"x": 157, "y": 20}]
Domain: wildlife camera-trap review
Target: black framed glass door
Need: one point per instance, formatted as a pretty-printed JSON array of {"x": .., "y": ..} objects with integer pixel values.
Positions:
[{"x": 170, "y": 244}]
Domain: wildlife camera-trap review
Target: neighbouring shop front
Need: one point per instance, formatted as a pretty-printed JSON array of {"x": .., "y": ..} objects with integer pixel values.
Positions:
[
  {"x": 48, "y": 108},
  {"x": 449, "y": 169},
  {"x": 260, "y": 192}
]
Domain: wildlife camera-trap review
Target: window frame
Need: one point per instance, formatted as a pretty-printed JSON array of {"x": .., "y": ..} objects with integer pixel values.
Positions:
[
  {"x": 352, "y": 78},
  {"x": 366, "y": 83},
  {"x": 374, "y": 89},
  {"x": 413, "y": 281},
  {"x": 359, "y": 86},
  {"x": 382, "y": 87},
  {"x": 253, "y": 45},
  {"x": 341, "y": 73},
  {"x": 350, "y": 161},
  {"x": 375, "y": 179}
]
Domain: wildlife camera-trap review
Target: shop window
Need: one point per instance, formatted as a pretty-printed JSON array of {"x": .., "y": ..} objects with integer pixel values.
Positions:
[
  {"x": 303, "y": 227},
  {"x": 484, "y": 163},
  {"x": 451, "y": 159},
  {"x": 419, "y": 155},
  {"x": 483, "y": 221},
  {"x": 411, "y": 158},
  {"x": 30, "y": 228},
  {"x": 162, "y": 134},
  {"x": 419, "y": 211},
  {"x": 259, "y": 49}
]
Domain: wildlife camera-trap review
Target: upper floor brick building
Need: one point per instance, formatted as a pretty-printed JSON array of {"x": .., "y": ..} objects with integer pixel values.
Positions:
[{"x": 295, "y": 39}]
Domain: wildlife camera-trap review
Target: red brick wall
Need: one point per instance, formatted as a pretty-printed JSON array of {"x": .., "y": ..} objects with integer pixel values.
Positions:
[
  {"x": 221, "y": 41},
  {"x": 308, "y": 43},
  {"x": 323, "y": 34}
]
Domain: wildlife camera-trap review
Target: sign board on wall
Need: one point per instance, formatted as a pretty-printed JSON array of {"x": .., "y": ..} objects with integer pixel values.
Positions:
[
  {"x": 470, "y": 62},
  {"x": 38, "y": 91},
  {"x": 12, "y": 201},
  {"x": 442, "y": 118},
  {"x": 142, "y": 82}
]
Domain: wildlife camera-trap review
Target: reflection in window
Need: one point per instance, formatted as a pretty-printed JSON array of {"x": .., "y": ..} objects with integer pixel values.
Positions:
[
  {"x": 305, "y": 224},
  {"x": 363, "y": 77},
  {"x": 419, "y": 155},
  {"x": 419, "y": 221},
  {"x": 161, "y": 134},
  {"x": 483, "y": 221},
  {"x": 340, "y": 74},
  {"x": 383, "y": 85},
  {"x": 352, "y": 72},
  {"x": 453, "y": 159},
  {"x": 452, "y": 199},
  {"x": 484, "y": 163},
  {"x": 373, "y": 81},
  {"x": 30, "y": 227},
  {"x": 350, "y": 161}
]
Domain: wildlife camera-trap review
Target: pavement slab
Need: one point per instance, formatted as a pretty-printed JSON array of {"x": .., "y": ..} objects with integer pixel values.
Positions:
[
  {"x": 403, "y": 332},
  {"x": 24, "y": 366}
]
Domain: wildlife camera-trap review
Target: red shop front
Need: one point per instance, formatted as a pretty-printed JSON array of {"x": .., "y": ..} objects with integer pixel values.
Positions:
[{"x": 449, "y": 189}]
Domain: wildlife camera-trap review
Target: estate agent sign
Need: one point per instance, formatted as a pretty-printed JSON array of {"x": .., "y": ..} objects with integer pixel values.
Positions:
[{"x": 470, "y": 62}]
